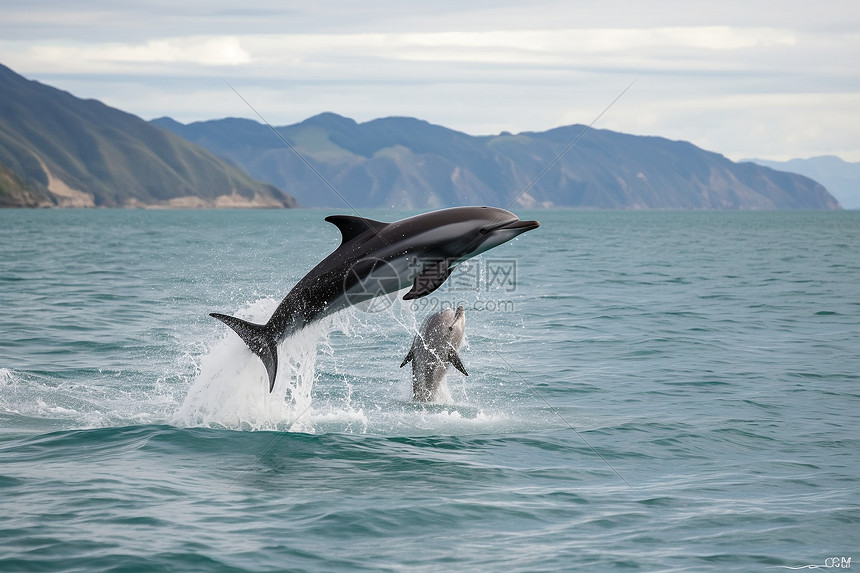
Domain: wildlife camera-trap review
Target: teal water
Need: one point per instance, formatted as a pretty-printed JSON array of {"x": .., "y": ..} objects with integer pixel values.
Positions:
[{"x": 651, "y": 391}]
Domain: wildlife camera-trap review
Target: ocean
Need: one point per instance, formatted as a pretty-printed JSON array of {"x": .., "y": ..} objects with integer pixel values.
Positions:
[{"x": 655, "y": 391}]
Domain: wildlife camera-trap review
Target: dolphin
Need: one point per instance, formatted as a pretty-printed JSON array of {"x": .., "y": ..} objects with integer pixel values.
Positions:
[
  {"x": 433, "y": 348},
  {"x": 374, "y": 259}
]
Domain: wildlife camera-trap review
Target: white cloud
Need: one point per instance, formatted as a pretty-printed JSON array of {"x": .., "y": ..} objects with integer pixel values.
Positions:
[
  {"x": 776, "y": 125},
  {"x": 629, "y": 46},
  {"x": 605, "y": 39},
  {"x": 744, "y": 78},
  {"x": 109, "y": 57}
]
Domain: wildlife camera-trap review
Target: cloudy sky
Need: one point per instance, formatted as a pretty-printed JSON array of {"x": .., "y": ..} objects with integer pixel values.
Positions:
[{"x": 745, "y": 78}]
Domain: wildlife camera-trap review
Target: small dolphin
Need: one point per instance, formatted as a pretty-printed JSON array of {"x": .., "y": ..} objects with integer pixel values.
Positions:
[
  {"x": 433, "y": 348},
  {"x": 374, "y": 259}
]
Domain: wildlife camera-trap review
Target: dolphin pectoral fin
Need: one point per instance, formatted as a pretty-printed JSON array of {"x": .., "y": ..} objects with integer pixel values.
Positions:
[
  {"x": 454, "y": 359},
  {"x": 407, "y": 359},
  {"x": 351, "y": 227},
  {"x": 258, "y": 339},
  {"x": 411, "y": 354},
  {"x": 431, "y": 278}
]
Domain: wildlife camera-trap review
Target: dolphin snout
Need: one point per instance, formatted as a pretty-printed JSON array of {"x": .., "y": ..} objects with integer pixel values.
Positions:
[
  {"x": 522, "y": 226},
  {"x": 458, "y": 314},
  {"x": 515, "y": 225}
]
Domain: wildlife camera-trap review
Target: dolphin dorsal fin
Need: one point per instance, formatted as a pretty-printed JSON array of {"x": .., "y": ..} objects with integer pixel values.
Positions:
[{"x": 351, "y": 226}]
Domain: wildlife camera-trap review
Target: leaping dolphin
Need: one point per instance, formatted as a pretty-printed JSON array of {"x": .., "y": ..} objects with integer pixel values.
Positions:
[
  {"x": 433, "y": 349},
  {"x": 374, "y": 259}
]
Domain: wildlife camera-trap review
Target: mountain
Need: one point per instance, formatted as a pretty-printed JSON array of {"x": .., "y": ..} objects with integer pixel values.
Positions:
[
  {"x": 58, "y": 150},
  {"x": 840, "y": 177},
  {"x": 14, "y": 192},
  {"x": 409, "y": 163}
]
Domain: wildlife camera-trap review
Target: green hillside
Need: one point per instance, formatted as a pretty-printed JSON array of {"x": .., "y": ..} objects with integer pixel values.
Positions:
[
  {"x": 14, "y": 192},
  {"x": 67, "y": 152}
]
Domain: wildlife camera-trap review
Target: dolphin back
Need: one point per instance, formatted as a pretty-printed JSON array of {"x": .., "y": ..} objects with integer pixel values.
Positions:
[{"x": 258, "y": 339}]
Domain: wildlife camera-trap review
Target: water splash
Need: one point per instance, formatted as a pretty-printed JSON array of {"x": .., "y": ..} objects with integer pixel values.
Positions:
[
  {"x": 338, "y": 375},
  {"x": 358, "y": 387},
  {"x": 231, "y": 387}
]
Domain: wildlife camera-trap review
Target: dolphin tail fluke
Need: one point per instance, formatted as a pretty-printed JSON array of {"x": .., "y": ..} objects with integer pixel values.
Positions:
[{"x": 258, "y": 339}]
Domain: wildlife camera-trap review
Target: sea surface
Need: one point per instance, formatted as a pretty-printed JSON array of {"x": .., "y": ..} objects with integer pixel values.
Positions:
[{"x": 655, "y": 391}]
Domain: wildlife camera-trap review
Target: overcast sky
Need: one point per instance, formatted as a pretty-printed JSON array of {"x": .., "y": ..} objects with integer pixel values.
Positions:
[{"x": 744, "y": 78}]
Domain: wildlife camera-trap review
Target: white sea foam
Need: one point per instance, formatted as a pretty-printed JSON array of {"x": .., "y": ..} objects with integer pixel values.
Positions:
[
  {"x": 337, "y": 375},
  {"x": 6, "y": 377},
  {"x": 230, "y": 388}
]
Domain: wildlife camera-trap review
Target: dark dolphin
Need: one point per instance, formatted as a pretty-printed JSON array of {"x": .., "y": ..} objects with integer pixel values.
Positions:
[{"x": 374, "y": 259}]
